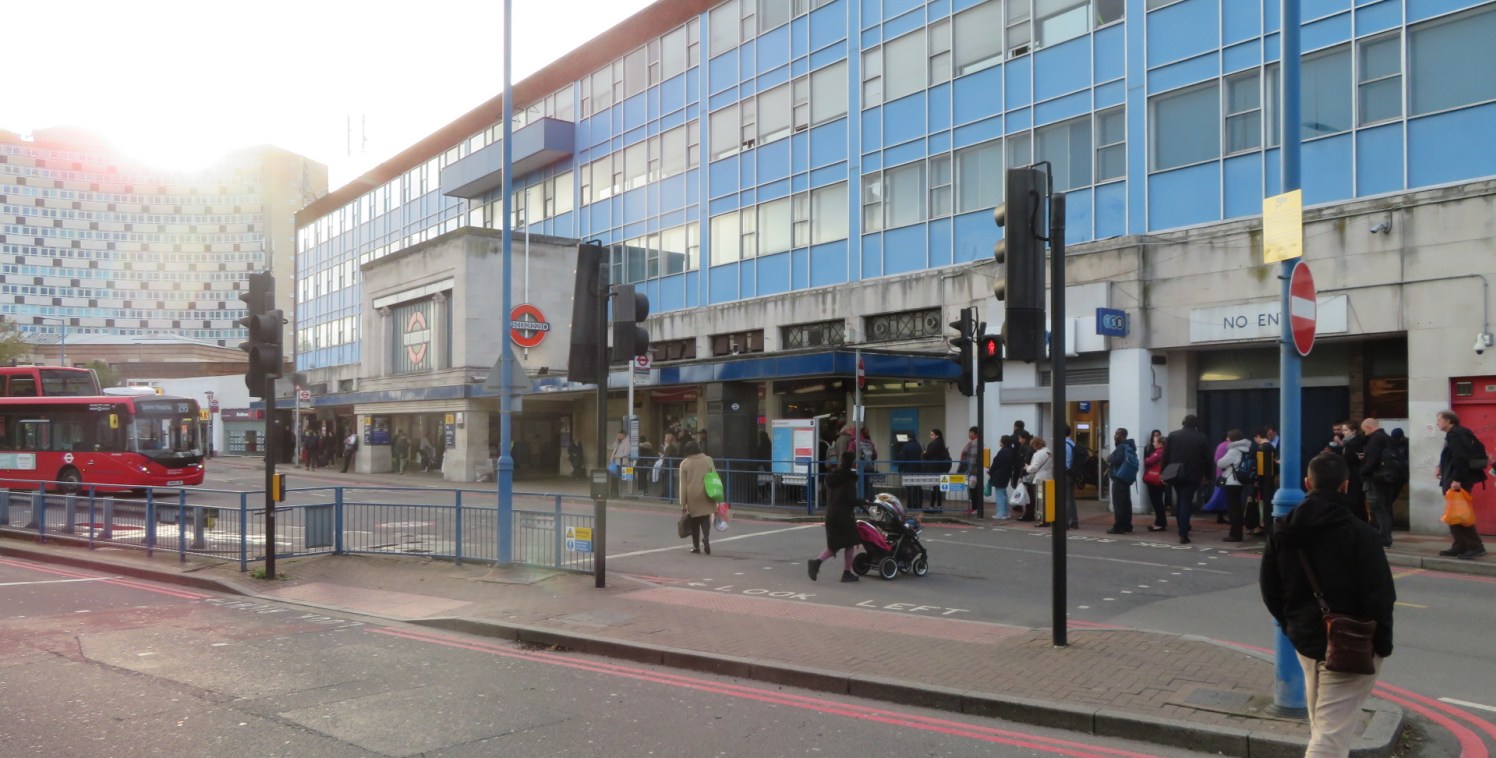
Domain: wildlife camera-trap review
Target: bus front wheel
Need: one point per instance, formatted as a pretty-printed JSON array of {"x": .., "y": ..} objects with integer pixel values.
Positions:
[{"x": 71, "y": 481}]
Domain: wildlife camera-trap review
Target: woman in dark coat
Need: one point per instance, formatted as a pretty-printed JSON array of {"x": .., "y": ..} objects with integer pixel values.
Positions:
[
  {"x": 841, "y": 523},
  {"x": 937, "y": 461}
]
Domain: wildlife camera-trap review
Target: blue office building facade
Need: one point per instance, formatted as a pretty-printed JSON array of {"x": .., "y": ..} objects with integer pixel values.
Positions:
[{"x": 787, "y": 175}]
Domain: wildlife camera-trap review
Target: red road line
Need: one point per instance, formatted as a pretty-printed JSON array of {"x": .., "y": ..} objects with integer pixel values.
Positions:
[
  {"x": 1471, "y": 745},
  {"x": 183, "y": 594},
  {"x": 943, "y": 726}
]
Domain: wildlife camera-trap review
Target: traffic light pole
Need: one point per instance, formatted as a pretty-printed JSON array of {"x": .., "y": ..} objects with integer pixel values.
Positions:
[
  {"x": 272, "y": 445},
  {"x": 600, "y": 498},
  {"x": 1057, "y": 401},
  {"x": 977, "y": 329}
]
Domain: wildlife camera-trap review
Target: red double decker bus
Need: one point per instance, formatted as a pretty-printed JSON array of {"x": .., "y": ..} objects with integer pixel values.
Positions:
[
  {"x": 48, "y": 381},
  {"x": 113, "y": 443}
]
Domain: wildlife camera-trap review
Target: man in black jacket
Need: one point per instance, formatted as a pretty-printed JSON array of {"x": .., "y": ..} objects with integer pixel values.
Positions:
[
  {"x": 1382, "y": 493},
  {"x": 1353, "y": 447},
  {"x": 1187, "y": 447},
  {"x": 1352, "y": 571},
  {"x": 1457, "y": 473}
]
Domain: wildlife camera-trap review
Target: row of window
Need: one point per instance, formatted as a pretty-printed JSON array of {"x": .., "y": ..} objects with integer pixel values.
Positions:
[
  {"x": 15, "y": 190},
  {"x": 133, "y": 255},
  {"x": 737, "y": 21},
  {"x": 662, "y": 156},
  {"x": 89, "y": 234},
  {"x": 1343, "y": 87},
  {"x": 777, "y": 226},
  {"x": 776, "y": 113},
  {"x": 196, "y": 278},
  {"x": 671, "y": 251},
  {"x": 660, "y": 59},
  {"x": 326, "y": 281},
  {"x": 193, "y": 296},
  {"x": 126, "y": 218},
  {"x": 342, "y": 331}
]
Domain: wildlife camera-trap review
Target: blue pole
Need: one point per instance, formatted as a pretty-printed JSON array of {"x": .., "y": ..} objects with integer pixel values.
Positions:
[
  {"x": 506, "y": 360},
  {"x": 1288, "y": 689}
]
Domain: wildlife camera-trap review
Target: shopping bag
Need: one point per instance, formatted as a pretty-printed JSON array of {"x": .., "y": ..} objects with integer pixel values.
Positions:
[
  {"x": 1217, "y": 502},
  {"x": 713, "y": 485},
  {"x": 613, "y": 469},
  {"x": 683, "y": 526},
  {"x": 1018, "y": 495},
  {"x": 1458, "y": 510},
  {"x": 723, "y": 518}
]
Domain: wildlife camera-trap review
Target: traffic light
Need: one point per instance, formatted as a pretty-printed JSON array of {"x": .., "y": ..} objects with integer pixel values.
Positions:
[
  {"x": 990, "y": 358},
  {"x": 265, "y": 344},
  {"x": 965, "y": 345},
  {"x": 630, "y": 338},
  {"x": 587, "y": 315},
  {"x": 1021, "y": 287}
]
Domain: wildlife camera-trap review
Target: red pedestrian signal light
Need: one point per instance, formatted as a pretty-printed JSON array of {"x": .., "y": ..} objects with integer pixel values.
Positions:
[{"x": 990, "y": 358}]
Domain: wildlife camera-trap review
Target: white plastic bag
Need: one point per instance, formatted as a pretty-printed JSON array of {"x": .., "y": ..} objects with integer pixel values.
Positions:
[
  {"x": 1018, "y": 495},
  {"x": 723, "y": 518}
]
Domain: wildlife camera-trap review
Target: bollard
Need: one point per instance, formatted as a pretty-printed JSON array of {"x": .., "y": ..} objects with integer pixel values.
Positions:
[
  {"x": 93, "y": 504},
  {"x": 337, "y": 517},
  {"x": 199, "y": 525},
  {"x": 38, "y": 503},
  {"x": 150, "y": 521}
]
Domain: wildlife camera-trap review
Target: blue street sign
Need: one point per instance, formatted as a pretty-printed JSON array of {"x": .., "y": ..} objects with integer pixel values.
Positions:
[{"x": 1111, "y": 322}]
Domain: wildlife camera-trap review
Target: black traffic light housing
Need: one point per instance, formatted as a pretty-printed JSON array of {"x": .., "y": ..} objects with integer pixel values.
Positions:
[
  {"x": 1021, "y": 251},
  {"x": 990, "y": 358},
  {"x": 588, "y": 315},
  {"x": 266, "y": 344},
  {"x": 630, "y": 338},
  {"x": 965, "y": 345}
]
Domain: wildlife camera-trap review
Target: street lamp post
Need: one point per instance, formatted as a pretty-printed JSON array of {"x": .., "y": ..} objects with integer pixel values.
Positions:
[{"x": 62, "y": 339}]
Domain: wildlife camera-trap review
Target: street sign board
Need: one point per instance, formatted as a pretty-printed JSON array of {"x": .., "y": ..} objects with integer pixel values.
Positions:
[
  {"x": 1283, "y": 227},
  {"x": 1303, "y": 308},
  {"x": 304, "y": 395},
  {"x": 579, "y": 539}
]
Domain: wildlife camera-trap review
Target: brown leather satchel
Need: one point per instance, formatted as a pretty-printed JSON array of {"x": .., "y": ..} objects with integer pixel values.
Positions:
[{"x": 1348, "y": 639}]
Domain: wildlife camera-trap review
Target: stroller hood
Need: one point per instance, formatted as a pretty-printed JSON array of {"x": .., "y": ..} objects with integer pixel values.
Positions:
[{"x": 872, "y": 535}]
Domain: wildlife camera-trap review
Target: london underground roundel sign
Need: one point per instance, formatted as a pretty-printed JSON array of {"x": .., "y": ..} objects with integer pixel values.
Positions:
[
  {"x": 1303, "y": 308},
  {"x": 527, "y": 325}
]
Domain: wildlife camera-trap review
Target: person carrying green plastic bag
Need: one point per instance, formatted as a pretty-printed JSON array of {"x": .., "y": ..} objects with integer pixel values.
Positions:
[{"x": 698, "y": 479}]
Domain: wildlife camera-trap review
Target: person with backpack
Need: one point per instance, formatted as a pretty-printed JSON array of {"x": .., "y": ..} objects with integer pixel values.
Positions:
[
  {"x": 1462, "y": 465},
  {"x": 1236, "y": 469},
  {"x": 971, "y": 462},
  {"x": 1078, "y": 464},
  {"x": 1122, "y": 467},
  {"x": 1380, "y": 476}
]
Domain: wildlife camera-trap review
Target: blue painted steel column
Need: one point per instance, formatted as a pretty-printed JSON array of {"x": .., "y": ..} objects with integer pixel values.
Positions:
[
  {"x": 506, "y": 360},
  {"x": 337, "y": 514},
  {"x": 1288, "y": 689},
  {"x": 457, "y": 528}
]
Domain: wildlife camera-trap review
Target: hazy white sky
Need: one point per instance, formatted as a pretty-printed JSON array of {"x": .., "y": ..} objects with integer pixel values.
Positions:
[{"x": 178, "y": 82}]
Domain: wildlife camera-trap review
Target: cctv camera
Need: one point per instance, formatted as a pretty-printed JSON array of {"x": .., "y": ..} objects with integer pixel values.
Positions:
[{"x": 1482, "y": 341}]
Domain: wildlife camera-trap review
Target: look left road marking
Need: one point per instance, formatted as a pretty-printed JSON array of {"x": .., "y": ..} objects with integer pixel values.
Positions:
[{"x": 718, "y": 541}]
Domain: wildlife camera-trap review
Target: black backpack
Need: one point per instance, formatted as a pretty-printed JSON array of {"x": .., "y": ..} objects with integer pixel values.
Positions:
[
  {"x": 1394, "y": 466},
  {"x": 1246, "y": 466},
  {"x": 1081, "y": 465},
  {"x": 1476, "y": 457}
]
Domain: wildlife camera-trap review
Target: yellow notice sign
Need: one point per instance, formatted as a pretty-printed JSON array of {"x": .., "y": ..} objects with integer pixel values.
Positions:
[{"x": 1283, "y": 227}]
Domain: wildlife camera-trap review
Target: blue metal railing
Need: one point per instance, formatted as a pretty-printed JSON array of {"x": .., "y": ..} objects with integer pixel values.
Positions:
[
  {"x": 796, "y": 485},
  {"x": 552, "y": 531}
]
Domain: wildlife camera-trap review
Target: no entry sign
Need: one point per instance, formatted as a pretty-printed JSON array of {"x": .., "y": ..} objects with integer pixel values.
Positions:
[{"x": 1303, "y": 308}]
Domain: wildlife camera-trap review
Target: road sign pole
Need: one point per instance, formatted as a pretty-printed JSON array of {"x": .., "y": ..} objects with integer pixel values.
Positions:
[
  {"x": 505, "y": 465},
  {"x": 1288, "y": 687}
]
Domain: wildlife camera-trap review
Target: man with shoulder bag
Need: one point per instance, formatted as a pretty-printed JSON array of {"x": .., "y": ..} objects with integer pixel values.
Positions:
[{"x": 1325, "y": 579}]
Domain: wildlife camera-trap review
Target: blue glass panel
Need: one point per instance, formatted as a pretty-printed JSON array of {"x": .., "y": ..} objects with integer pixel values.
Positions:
[
  {"x": 1017, "y": 91},
  {"x": 773, "y": 274},
  {"x": 723, "y": 177},
  {"x": 693, "y": 287},
  {"x": 939, "y": 9},
  {"x": 904, "y": 23},
  {"x": 800, "y": 150},
  {"x": 600, "y": 217},
  {"x": 747, "y": 197},
  {"x": 774, "y": 78},
  {"x": 1382, "y": 16},
  {"x": 1069, "y": 106},
  {"x": 1439, "y": 147},
  {"x": 1313, "y": 9},
  {"x": 1273, "y": 172},
  {"x": 828, "y": 55},
  {"x": 800, "y": 37},
  {"x": 1270, "y": 48},
  {"x": 634, "y": 136},
  {"x": 939, "y": 240},
  {"x": 974, "y": 235},
  {"x": 904, "y": 119},
  {"x": 828, "y": 264},
  {"x": 749, "y": 168},
  {"x": 940, "y": 107},
  {"x": 1111, "y": 210},
  {"x": 653, "y": 93},
  {"x": 872, "y": 162},
  {"x": 871, "y": 12},
  {"x": 940, "y": 142},
  {"x": 872, "y": 129},
  {"x": 1063, "y": 68},
  {"x": 693, "y": 85},
  {"x": 799, "y": 182},
  {"x": 1272, "y": 17},
  {"x": 1110, "y": 53},
  {"x": 904, "y": 153},
  {"x": 1327, "y": 170},
  {"x": 774, "y": 49},
  {"x": 799, "y": 269},
  {"x": 636, "y": 229},
  {"x": 828, "y": 143},
  {"x": 799, "y": 66},
  {"x": 773, "y": 191},
  {"x": 722, "y": 72},
  {"x": 1241, "y": 21},
  {"x": 1181, "y": 30},
  {"x": 747, "y": 278},
  {"x": 1018, "y": 120},
  {"x": 774, "y": 161},
  {"x": 1243, "y": 56},
  {"x": 722, "y": 281},
  {"x": 828, "y": 24},
  {"x": 979, "y": 95},
  {"x": 673, "y": 94},
  {"x": 981, "y": 131},
  {"x": 672, "y": 219},
  {"x": 1112, "y": 93},
  {"x": 1184, "y": 197},
  {"x": 1078, "y": 218},
  {"x": 962, "y": 5},
  {"x": 904, "y": 250},
  {"x": 1184, "y": 72},
  {"x": 871, "y": 258},
  {"x": 1422, "y": 9},
  {"x": 722, "y": 205},
  {"x": 1244, "y": 188},
  {"x": 828, "y": 175},
  {"x": 672, "y": 120},
  {"x": 1379, "y": 160},
  {"x": 672, "y": 294},
  {"x": 693, "y": 188},
  {"x": 673, "y": 192},
  {"x": 1326, "y": 32},
  {"x": 747, "y": 54}
]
